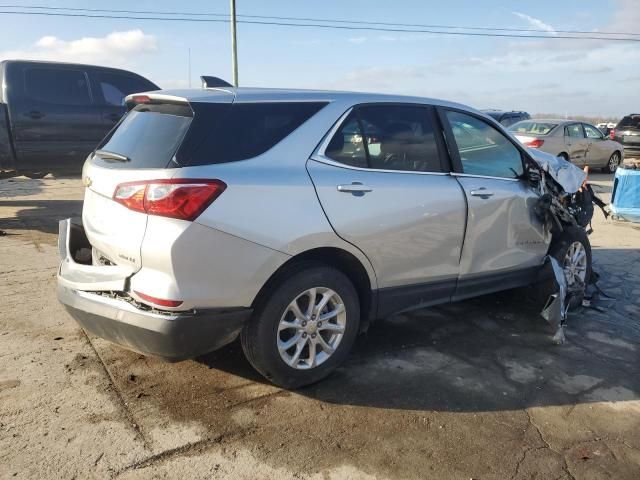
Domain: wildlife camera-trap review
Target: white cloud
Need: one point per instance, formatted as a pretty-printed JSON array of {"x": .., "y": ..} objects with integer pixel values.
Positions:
[
  {"x": 114, "y": 49},
  {"x": 536, "y": 23},
  {"x": 357, "y": 40}
]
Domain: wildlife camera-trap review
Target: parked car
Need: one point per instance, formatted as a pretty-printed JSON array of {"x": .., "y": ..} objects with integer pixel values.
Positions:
[
  {"x": 507, "y": 119},
  {"x": 265, "y": 214},
  {"x": 579, "y": 142},
  {"x": 627, "y": 132},
  {"x": 52, "y": 115}
]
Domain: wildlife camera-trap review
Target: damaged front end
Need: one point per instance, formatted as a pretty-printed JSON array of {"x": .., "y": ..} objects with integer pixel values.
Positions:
[{"x": 566, "y": 202}]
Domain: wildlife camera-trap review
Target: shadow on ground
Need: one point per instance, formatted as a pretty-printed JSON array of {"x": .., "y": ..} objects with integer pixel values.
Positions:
[{"x": 39, "y": 215}]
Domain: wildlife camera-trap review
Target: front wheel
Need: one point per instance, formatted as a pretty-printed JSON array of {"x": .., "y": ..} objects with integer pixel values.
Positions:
[
  {"x": 572, "y": 250},
  {"x": 305, "y": 328},
  {"x": 613, "y": 163}
]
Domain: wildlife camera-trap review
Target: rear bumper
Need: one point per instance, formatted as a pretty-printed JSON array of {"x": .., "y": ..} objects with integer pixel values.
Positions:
[
  {"x": 106, "y": 313},
  {"x": 169, "y": 336}
]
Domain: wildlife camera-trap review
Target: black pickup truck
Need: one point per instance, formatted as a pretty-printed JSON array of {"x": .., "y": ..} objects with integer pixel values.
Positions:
[{"x": 52, "y": 115}]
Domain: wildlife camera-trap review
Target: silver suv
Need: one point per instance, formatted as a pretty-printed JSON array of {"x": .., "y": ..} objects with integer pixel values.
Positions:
[{"x": 295, "y": 218}]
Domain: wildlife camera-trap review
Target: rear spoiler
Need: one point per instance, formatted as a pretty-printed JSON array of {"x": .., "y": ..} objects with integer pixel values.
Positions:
[{"x": 134, "y": 99}]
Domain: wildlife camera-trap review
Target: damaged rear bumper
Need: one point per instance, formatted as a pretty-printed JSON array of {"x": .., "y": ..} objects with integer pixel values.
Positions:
[{"x": 94, "y": 296}]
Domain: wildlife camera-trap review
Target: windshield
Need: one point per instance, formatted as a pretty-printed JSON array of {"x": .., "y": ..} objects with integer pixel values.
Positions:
[
  {"x": 630, "y": 121},
  {"x": 148, "y": 137},
  {"x": 532, "y": 128}
]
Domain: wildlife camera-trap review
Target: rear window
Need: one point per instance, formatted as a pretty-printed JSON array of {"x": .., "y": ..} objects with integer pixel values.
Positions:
[
  {"x": 115, "y": 86},
  {"x": 630, "y": 121},
  {"x": 149, "y": 135},
  {"x": 532, "y": 128},
  {"x": 230, "y": 132}
]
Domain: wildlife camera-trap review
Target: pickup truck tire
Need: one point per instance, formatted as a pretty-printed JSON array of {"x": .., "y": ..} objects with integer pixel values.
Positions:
[
  {"x": 35, "y": 175},
  {"x": 292, "y": 343},
  {"x": 572, "y": 243}
]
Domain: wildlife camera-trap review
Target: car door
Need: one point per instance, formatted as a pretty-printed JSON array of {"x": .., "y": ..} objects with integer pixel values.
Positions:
[
  {"x": 111, "y": 88},
  {"x": 380, "y": 178},
  {"x": 55, "y": 123},
  {"x": 598, "y": 150},
  {"x": 504, "y": 242},
  {"x": 576, "y": 143}
]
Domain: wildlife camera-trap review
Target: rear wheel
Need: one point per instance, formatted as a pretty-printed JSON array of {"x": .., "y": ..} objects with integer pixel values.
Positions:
[
  {"x": 564, "y": 156},
  {"x": 305, "y": 328},
  {"x": 613, "y": 163}
]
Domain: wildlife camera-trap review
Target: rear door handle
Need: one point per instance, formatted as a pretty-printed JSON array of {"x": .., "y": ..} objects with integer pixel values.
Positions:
[
  {"x": 34, "y": 114},
  {"x": 482, "y": 193},
  {"x": 355, "y": 188}
]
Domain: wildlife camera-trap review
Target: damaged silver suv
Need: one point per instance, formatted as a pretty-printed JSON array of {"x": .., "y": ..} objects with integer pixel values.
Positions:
[{"x": 293, "y": 219}]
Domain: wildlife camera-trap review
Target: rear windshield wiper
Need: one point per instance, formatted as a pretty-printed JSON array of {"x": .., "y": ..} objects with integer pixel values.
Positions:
[{"x": 107, "y": 155}]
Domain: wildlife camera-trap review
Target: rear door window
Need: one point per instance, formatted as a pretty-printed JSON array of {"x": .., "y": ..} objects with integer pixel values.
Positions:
[
  {"x": 230, "y": 132},
  {"x": 61, "y": 86},
  {"x": 483, "y": 149},
  {"x": 574, "y": 131},
  {"x": 149, "y": 136},
  {"x": 388, "y": 137},
  {"x": 114, "y": 87}
]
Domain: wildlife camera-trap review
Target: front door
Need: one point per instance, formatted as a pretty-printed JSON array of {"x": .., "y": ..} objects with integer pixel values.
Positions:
[
  {"x": 504, "y": 243},
  {"x": 380, "y": 180},
  {"x": 599, "y": 151}
]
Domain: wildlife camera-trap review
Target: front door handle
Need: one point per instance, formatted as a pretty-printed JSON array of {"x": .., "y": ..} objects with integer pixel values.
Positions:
[
  {"x": 482, "y": 193},
  {"x": 356, "y": 188}
]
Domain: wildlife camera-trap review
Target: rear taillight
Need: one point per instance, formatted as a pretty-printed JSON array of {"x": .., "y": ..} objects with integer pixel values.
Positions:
[
  {"x": 185, "y": 199},
  {"x": 159, "y": 301},
  {"x": 612, "y": 134},
  {"x": 535, "y": 143}
]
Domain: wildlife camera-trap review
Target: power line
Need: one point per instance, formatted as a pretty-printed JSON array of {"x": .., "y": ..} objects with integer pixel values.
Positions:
[
  {"x": 310, "y": 25},
  {"x": 324, "y": 20}
]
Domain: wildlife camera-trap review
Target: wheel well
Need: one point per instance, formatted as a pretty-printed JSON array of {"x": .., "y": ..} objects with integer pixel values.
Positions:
[
  {"x": 337, "y": 258},
  {"x": 564, "y": 154}
]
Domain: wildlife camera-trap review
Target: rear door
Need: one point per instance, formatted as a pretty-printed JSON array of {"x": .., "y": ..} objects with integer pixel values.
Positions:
[
  {"x": 148, "y": 137},
  {"x": 504, "y": 241},
  {"x": 576, "y": 143},
  {"x": 55, "y": 125},
  {"x": 383, "y": 182},
  {"x": 111, "y": 87}
]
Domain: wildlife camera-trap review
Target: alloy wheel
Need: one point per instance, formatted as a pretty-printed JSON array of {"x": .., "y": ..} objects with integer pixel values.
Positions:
[
  {"x": 575, "y": 265},
  {"x": 614, "y": 162},
  {"x": 311, "y": 328}
]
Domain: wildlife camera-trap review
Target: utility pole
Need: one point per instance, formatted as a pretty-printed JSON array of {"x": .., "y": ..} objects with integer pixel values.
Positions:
[{"x": 234, "y": 46}]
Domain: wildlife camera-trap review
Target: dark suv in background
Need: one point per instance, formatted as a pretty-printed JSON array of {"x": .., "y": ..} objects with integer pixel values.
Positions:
[
  {"x": 53, "y": 114},
  {"x": 627, "y": 132},
  {"x": 506, "y": 118}
]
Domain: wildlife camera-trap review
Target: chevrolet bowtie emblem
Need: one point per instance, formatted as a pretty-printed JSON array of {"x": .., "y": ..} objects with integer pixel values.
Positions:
[{"x": 87, "y": 181}]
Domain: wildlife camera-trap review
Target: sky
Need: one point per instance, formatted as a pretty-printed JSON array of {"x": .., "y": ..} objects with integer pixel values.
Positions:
[{"x": 579, "y": 77}]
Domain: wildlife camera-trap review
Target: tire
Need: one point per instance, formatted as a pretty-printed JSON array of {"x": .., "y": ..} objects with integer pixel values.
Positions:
[
  {"x": 559, "y": 250},
  {"x": 264, "y": 337},
  {"x": 564, "y": 156},
  {"x": 613, "y": 163},
  {"x": 35, "y": 175}
]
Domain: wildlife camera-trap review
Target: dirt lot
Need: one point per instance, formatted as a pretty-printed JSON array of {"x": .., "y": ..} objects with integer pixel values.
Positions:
[{"x": 474, "y": 390}]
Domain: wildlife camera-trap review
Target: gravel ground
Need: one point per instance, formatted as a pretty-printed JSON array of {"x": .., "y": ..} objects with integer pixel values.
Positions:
[{"x": 469, "y": 390}]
